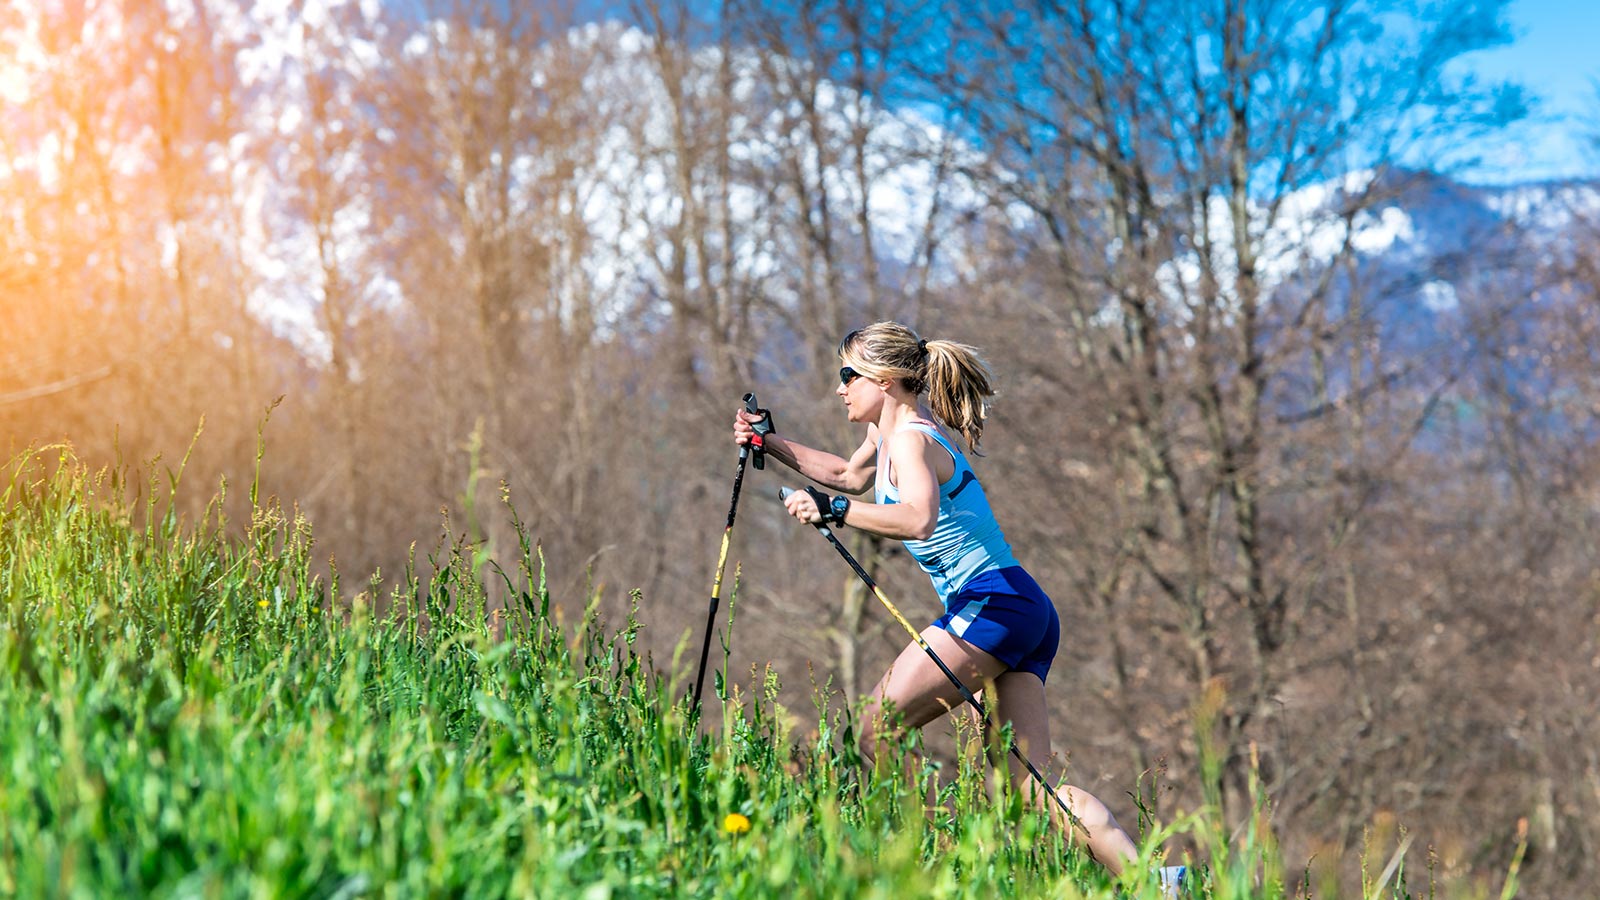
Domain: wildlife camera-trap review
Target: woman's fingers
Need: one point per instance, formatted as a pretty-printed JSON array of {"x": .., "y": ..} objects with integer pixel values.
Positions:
[
  {"x": 742, "y": 432},
  {"x": 802, "y": 507}
]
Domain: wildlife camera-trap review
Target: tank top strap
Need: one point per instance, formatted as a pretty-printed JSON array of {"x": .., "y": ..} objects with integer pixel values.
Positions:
[{"x": 932, "y": 430}]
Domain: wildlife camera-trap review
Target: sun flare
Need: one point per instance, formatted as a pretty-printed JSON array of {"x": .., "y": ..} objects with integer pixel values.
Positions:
[
  {"x": 13, "y": 83},
  {"x": 17, "y": 48}
]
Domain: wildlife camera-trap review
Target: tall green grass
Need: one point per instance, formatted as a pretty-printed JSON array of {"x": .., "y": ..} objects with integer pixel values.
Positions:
[{"x": 186, "y": 709}]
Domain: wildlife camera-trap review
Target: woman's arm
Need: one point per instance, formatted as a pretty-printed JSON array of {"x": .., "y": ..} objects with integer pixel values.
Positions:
[
  {"x": 916, "y": 458},
  {"x": 849, "y": 476}
]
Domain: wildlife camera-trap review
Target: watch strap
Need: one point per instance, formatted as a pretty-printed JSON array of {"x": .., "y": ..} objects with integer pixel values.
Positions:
[{"x": 825, "y": 505}]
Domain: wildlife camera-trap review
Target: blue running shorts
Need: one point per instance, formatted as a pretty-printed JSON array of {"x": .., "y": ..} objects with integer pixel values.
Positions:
[{"x": 1005, "y": 613}]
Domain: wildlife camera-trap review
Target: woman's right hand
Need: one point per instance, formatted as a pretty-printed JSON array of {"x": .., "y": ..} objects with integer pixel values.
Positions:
[{"x": 744, "y": 426}]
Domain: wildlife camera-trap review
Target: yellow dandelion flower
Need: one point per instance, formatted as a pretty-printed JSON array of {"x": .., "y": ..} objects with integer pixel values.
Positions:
[
  {"x": 261, "y": 603},
  {"x": 735, "y": 824}
]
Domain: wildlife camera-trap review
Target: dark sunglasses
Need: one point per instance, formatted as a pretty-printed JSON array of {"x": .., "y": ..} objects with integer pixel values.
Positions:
[{"x": 847, "y": 374}]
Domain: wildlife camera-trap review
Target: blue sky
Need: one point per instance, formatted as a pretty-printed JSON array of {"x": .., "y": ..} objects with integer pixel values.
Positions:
[{"x": 1556, "y": 55}]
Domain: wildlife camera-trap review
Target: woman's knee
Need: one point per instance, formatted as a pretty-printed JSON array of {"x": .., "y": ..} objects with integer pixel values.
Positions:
[{"x": 1086, "y": 807}]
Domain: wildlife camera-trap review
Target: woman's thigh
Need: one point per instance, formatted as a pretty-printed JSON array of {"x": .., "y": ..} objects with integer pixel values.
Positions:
[{"x": 918, "y": 691}]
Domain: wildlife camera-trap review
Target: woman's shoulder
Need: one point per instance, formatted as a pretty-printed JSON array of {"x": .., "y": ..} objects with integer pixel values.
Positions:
[
  {"x": 925, "y": 428},
  {"x": 922, "y": 436}
]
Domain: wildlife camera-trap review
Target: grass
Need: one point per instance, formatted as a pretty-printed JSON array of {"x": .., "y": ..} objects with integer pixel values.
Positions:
[{"x": 187, "y": 710}]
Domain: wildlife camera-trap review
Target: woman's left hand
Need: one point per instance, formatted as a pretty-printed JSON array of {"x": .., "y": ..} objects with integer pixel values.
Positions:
[{"x": 803, "y": 507}]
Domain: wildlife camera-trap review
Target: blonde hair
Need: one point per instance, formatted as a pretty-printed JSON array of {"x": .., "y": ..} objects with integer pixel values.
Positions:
[{"x": 954, "y": 376}]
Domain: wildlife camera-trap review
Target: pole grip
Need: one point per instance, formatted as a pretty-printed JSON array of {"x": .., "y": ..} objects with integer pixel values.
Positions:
[
  {"x": 762, "y": 428},
  {"x": 744, "y": 450}
]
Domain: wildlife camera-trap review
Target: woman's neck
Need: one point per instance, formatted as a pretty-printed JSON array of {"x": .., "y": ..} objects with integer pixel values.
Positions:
[{"x": 898, "y": 409}]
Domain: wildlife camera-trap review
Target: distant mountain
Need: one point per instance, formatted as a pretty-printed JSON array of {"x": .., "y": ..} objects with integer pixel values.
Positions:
[{"x": 1454, "y": 282}]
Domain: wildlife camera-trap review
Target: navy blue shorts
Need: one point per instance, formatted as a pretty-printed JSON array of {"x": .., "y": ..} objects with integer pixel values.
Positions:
[{"x": 1005, "y": 613}]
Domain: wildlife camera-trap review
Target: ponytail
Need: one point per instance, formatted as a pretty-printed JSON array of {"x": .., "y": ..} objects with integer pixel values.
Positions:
[{"x": 957, "y": 381}]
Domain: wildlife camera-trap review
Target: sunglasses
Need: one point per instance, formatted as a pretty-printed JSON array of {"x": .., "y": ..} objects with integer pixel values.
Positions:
[{"x": 847, "y": 375}]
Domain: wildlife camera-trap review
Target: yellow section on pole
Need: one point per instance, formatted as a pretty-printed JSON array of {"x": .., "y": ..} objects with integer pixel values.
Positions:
[{"x": 722, "y": 564}]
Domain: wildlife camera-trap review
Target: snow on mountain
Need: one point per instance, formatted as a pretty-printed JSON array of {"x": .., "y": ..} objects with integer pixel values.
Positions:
[
  {"x": 282, "y": 43},
  {"x": 633, "y": 196},
  {"x": 1302, "y": 231},
  {"x": 1427, "y": 227},
  {"x": 1550, "y": 207},
  {"x": 625, "y": 183}
]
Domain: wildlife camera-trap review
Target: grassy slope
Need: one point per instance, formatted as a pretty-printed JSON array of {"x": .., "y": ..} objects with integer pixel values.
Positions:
[{"x": 181, "y": 715}]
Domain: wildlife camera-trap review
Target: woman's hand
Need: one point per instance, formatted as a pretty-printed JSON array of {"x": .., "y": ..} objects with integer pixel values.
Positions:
[
  {"x": 801, "y": 505},
  {"x": 744, "y": 426}
]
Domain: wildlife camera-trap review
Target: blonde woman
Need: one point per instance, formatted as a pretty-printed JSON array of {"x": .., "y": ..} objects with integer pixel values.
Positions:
[{"x": 918, "y": 399}]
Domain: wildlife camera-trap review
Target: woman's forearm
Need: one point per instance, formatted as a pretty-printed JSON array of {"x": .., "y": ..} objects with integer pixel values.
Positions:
[
  {"x": 824, "y": 468},
  {"x": 896, "y": 521}
]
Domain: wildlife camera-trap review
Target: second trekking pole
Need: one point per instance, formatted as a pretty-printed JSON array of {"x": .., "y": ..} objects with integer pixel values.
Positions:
[
  {"x": 967, "y": 695},
  {"x": 762, "y": 429}
]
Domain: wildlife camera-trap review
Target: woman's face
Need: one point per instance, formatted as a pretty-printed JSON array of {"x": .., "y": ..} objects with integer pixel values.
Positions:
[{"x": 863, "y": 397}]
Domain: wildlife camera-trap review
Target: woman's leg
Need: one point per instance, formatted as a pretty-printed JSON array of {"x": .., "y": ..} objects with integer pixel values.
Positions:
[
  {"x": 1019, "y": 700},
  {"x": 916, "y": 692}
]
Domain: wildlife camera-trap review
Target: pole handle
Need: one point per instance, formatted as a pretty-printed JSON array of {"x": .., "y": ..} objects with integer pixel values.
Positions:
[
  {"x": 783, "y": 494},
  {"x": 762, "y": 429}
]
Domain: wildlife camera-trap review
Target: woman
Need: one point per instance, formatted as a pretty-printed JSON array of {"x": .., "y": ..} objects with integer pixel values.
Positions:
[{"x": 998, "y": 627}]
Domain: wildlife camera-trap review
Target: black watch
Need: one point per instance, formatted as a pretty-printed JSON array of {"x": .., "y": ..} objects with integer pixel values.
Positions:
[{"x": 838, "y": 505}]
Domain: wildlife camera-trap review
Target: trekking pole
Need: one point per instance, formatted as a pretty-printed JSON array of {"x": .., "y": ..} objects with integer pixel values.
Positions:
[
  {"x": 762, "y": 429},
  {"x": 783, "y": 494}
]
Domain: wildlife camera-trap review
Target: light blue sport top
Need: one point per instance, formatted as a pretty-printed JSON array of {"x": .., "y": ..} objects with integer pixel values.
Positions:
[{"x": 966, "y": 538}]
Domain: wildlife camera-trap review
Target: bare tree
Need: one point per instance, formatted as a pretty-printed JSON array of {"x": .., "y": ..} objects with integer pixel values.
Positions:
[{"x": 1161, "y": 155}]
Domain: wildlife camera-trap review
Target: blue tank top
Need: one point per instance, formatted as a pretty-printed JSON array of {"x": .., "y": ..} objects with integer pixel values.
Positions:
[{"x": 966, "y": 539}]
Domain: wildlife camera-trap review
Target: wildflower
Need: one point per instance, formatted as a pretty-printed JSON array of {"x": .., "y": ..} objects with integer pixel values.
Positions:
[
  {"x": 261, "y": 603},
  {"x": 735, "y": 824}
]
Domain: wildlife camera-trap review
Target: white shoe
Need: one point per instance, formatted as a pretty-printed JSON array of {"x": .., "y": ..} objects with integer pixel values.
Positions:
[{"x": 1172, "y": 878}]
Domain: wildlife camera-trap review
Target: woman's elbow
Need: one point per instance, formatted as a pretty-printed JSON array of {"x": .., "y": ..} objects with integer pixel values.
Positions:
[{"x": 923, "y": 530}]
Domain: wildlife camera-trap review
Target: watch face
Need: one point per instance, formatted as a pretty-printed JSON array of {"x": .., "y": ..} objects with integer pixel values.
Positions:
[{"x": 840, "y": 506}]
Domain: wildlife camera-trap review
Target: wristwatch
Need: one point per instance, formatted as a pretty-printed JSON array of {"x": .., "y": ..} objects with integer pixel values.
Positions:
[{"x": 838, "y": 505}]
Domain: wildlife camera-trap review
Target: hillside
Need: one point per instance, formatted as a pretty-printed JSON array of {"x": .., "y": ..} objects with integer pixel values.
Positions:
[{"x": 188, "y": 711}]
